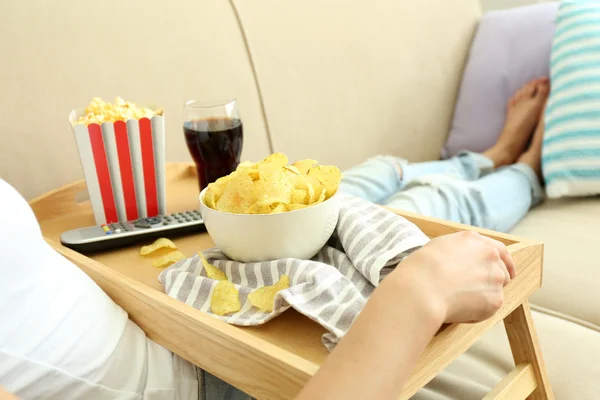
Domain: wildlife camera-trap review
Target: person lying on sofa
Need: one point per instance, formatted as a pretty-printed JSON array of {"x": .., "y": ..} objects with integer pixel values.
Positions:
[
  {"x": 62, "y": 337},
  {"x": 492, "y": 190}
]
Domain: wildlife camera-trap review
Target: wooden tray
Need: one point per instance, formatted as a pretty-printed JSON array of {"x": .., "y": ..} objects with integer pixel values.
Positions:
[{"x": 275, "y": 360}]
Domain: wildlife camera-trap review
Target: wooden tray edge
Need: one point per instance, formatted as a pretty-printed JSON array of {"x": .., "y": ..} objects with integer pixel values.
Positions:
[{"x": 226, "y": 351}]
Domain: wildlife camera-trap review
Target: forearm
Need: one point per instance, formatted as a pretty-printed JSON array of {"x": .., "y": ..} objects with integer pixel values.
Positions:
[{"x": 379, "y": 352}]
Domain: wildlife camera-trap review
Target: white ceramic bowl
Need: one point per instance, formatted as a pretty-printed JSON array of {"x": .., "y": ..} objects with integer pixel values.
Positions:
[{"x": 263, "y": 237}]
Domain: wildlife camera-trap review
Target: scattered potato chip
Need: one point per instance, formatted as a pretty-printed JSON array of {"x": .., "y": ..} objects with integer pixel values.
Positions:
[
  {"x": 99, "y": 111},
  {"x": 329, "y": 176},
  {"x": 264, "y": 297},
  {"x": 211, "y": 271},
  {"x": 238, "y": 196},
  {"x": 279, "y": 208},
  {"x": 304, "y": 165},
  {"x": 158, "y": 244},
  {"x": 168, "y": 259},
  {"x": 225, "y": 299},
  {"x": 294, "y": 207}
]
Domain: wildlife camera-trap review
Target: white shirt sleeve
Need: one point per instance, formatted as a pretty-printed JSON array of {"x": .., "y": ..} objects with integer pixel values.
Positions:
[{"x": 61, "y": 336}]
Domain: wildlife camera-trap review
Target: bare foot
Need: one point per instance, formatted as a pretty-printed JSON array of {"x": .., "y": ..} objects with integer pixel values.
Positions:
[
  {"x": 533, "y": 155},
  {"x": 523, "y": 112}
]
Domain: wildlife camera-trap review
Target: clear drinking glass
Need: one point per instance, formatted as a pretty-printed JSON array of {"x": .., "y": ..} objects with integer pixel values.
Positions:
[{"x": 214, "y": 136}]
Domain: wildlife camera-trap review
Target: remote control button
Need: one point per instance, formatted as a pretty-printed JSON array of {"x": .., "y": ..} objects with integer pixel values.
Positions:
[
  {"x": 166, "y": 222},
  {"x": 142, "y": 224},
  {"x": 118, "y": 230},
  {"x": 105, "y": 228},
  {"x": 196, "y": 218},
  {"x": 168, "y": 218},
  {"x": 108, "y": 232}
]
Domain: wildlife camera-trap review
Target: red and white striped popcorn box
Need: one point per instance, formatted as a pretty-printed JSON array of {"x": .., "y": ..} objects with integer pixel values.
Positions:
[{"x": 124, "y": 167}]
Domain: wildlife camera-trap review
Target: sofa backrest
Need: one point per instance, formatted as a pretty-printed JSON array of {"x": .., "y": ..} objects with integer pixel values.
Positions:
[{"x": 337, "y": 81}]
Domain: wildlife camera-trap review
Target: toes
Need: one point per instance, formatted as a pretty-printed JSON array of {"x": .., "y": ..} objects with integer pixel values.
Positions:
[
  {"x": 529, "y": 89},
  {"x": 518, "y": 96},
  {"x": 542, "y": 90},
  {"x": 536, "y": 87}
]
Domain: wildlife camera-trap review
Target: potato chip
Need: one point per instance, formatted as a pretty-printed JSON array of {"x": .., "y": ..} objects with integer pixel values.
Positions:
[
  {"x": 238, "y": 196},
  {"x": 168, "y": 259},
  {"x": 299, "y": 196},
  {"x": 264, "y": 297},
  {"x": 211, "y": 271},
  {"x": 246, "y": 165},
  {"x": 209, "y": 198},
  {"x": 279, "y": 208},
  {"x": 290, "y": 169},
  {"x": 215, "y": 190},
  {"x": 158, "y": 244},
  {"x": 276, "y": 158},
  {"x": 270, "y": 186},
  {"x": 301, "y": 182},
  {"x": 225, "y": 299},
  {"x": 321, "y": 196},
  {"x": 304, "y": 165},
  {"x": 312, "y": 186},
  {"x": 273, "y": 185},
  {"x": 253, "y": 173},
  {"x": 260, "y": 209},
  {"x": 294, "y": 207},
  {"x": 329, "y": 176}
]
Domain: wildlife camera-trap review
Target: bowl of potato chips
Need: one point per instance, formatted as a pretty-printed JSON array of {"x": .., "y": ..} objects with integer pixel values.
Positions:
[{"x": 271, "y": 210}]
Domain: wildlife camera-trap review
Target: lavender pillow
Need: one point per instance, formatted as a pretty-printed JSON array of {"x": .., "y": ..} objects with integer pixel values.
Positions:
[{"x": 510, "y": 48}]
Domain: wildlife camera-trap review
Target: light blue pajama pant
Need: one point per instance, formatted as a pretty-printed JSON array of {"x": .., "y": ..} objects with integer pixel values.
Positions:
[{"x": 464, "y": 188}]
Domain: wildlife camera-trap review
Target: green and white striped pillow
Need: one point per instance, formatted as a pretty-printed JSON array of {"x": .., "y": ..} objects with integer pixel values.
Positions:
[{"x": 571, "y": 149}]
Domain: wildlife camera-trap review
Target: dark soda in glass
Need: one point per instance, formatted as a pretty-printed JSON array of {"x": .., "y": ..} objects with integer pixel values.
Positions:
[{"x": 215, "y": 145}]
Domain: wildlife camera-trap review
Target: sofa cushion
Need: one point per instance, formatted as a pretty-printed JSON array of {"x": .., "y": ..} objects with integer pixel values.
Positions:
[
  {"x": 571, "y": 151},
  {"x": 570, "y": 229},
  {"x": 569, "y": 351},
  {"x": 342, "y": 81},
  {"x": 511, "y": 47}
]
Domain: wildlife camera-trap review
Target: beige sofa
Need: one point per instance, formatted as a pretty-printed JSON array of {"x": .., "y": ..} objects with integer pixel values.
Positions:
[{"x": 338, "y": 81}]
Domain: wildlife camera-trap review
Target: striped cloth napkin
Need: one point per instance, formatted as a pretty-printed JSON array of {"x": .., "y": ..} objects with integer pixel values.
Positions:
[{"x": 331, "y": 289}]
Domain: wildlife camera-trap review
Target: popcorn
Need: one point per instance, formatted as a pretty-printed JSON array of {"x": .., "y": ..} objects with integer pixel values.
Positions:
[{"x": 100, "y": 111}]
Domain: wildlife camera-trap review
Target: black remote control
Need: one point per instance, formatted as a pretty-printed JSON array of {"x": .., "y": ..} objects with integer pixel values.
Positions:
[{"x": 119, "y": 234}]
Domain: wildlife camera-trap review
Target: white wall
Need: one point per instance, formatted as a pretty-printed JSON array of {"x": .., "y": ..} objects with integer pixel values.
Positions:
[{"x": 498, "y": 4}]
